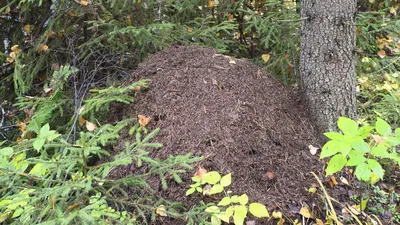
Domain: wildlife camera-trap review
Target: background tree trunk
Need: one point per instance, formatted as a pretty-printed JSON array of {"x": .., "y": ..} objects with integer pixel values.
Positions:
[{"x": 327, "y": 60}]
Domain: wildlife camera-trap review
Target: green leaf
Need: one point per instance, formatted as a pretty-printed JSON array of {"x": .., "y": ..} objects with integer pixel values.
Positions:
[
  {"x": 363, "y": 173},
  {"x": 217, "y": 188},
  {"x": 225, "y": 201},
  {"x": 356, "y": 158},
  {"x": 17, "y": 212},
  {"x": 224, "y": 217},
  {"x": 376, "y": 167},
  {"x": 196, "y": 179},
  {"x": 44, "y": 131},
  {"x": 334, "y": 136},
  {"x": 38, "y": 144},
  {"x": 235, "y": 199},
  {"x": 336, "y": 163},
  {"x": 212, "y": 177},
  {"x": 383, "y": 128},
  {"x": 215, "y": 220},
  {"x": 190, "y": 191},
  {"x": 360, "y": 145},
  {"x": 38, "y": 170},
  {"x": 348, "y": 126},
  {"x": 6, "y": 151},
  {"x": 258, "y": 210},
  {"x": 329, "y": 149},
  {"x": 199, "y": 189},
  {"x": 380, "y": 151},
  {"x": 364, "y": 131},
  {"x": 226, "y": 180},
  {"x": 213, "y": 209},
  {"x": 243, "y": 199},
  {"x": 240, "y": 214}
]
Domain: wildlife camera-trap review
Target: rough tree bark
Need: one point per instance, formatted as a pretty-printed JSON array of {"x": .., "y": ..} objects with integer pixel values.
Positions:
[{"x": 327, "y": 60}]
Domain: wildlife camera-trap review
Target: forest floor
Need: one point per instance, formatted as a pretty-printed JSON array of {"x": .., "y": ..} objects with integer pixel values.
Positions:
[{"x": 240, "y": 119}]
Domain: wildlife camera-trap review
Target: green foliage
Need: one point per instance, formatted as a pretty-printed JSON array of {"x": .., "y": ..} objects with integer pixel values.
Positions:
[
  {"x": 350, "y": 148},
  {"x": 235, "y": 206},
  {"x": 59, "y": 181}
]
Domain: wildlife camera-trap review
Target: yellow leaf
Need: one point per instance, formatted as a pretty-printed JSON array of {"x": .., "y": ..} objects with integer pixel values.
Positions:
[
  {"x": 27, "y": 28},
  {"x": 161, "y": 210},
  {"x": 43, "y": 48},
  {"x": 190, "y": 29},
  {"x": 265, "y": 57},
  {"x": 319, "y": 222},
  {"x": 355, "y": 209},
  {"x": 277, "y": 215},
  {"x": 393, "y": 10},
  {"x": 382, "y": 53},
  {"x": 305, "y": 212},
  {"x": 281, "y": 221},
  {"x": 90, "y": 126},
  {"x": 85, "y": 3},
  {"x": 143, "y": 120},
  {"x": 371, "y": 1},
  {"x": 15, "y": 50},
  {"x": 211, "y": 4}
]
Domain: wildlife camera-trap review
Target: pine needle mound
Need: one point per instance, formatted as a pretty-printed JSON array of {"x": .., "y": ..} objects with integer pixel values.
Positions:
[{"x": 240, "y": 119}]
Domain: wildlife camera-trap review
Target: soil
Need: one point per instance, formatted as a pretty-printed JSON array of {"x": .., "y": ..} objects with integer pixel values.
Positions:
[{"x": 240, "y": 119}]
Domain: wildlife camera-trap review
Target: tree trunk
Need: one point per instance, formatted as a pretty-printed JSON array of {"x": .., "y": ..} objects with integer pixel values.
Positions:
[{"x": 327, "y": 60}]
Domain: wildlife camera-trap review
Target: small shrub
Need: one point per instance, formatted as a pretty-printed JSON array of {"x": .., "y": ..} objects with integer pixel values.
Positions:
[{"x": 234, "y": 206}]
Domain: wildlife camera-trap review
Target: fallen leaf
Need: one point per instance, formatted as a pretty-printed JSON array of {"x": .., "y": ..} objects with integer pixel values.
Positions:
[
  {"x": 47, "y": 90},
  {"x": 16, "y": 49},
  {"x": 382, "y": 53},
  {"x": 190, "y": 29},
  {"x": 143, "y": 120},
  {"x": 319, "y": 222},
  {"x": 137, "y": 88},
  {"x": 161, "y": 210},
  {"x": 305, "y": 212},
  {"x": 21, "y": 126},
  {"x": 43, "y": 48},
  {"x": 211, "y": 4},
  {"x": 355, "y": 209},
  {"x": 265, "y": 57},
  {"x": 27, "y": 29},
  {"x": 251, "y": 222},
  {"x": 230, "y": 17},
  {"x": 81, "y": 120},
  {"x": 270, "y": 175},
  {"x": 332, "y": 182},
  {"x": 85, "y": 3},
  {"x": 378, "y": 139},
  {"x": 276, "y": 215},
  {"x": 281, "y": 222},
  {"x": 313, "y": 150},
  {"x": 344, "y": 180},
  {"x": 200, "y": 172},
  {"x": 90, "y": 126}
]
